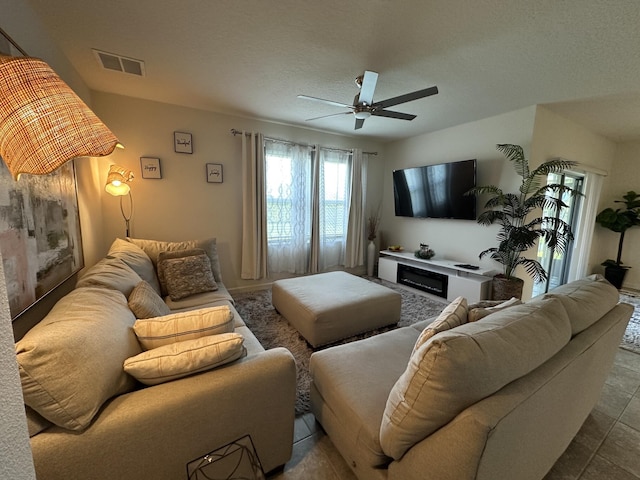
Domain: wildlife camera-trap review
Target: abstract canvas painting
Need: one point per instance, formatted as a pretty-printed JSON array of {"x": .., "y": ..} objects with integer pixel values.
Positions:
[{"x": 40, "y": 236}]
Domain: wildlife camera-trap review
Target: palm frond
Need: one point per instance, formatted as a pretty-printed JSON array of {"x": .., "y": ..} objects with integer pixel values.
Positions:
[
  {"x": 533, "y": 268},
  {"x": 515, "y": 154},
  {"x": 492, "y": 189},
  {"x": 555, "y": 165},
  {"x": 489, "y": 217}
]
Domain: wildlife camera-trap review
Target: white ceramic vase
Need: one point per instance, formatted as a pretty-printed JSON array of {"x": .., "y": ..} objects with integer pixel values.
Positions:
[{"x": 371, "y": 257}]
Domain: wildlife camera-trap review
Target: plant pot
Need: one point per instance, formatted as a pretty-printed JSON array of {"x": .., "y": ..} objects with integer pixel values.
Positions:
[
  {"x": 504, "y": 288},
  {"x": 615, "y": 275}
]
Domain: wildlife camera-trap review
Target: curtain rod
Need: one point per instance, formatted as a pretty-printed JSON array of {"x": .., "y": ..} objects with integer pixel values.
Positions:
[{"x": 235, "y": 132}]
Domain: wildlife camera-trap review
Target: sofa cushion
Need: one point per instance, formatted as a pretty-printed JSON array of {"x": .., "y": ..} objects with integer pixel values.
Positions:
[
  {"x": 586, "y": 300},
  {"x": 137, "y": 259},
  {"x": 477, "y": 313},
  {"x": 453, "y": 315},
  {"x": 178, "y": 327},
  {"x": 110, "y": 273},
  {"x": 153, "y": 248},
  {"x": 457, "y": 368},
  {"x": 145, "y": 302},
  {"x": 71, "y": 362},
  {"x": 185, "y": 273},
  {"x": 180, "y": 359},
  {"x": 221, "y": 296},
  {"x": 36, "y": 423}
]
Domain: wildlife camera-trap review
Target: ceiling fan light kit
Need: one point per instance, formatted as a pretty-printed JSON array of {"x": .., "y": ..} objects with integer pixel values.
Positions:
[{"x": 363, "y": 105}]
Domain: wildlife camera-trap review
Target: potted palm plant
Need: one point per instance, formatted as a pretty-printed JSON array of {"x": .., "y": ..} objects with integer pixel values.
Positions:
[
  {"x": 519, "y": 229},
  {"x": 619, "y": 220}
]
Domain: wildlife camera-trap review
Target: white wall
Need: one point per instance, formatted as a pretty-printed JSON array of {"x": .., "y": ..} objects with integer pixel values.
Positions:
[
  {"x": 624, "y": 176},
  {"x": 15, "y": 454},
  {"x": 460, "y": 240},
  {"x": 182, "y": 205}
]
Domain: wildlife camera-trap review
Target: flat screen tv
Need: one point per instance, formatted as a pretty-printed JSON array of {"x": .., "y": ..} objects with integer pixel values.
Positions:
[{"x": 436, "y": 191}]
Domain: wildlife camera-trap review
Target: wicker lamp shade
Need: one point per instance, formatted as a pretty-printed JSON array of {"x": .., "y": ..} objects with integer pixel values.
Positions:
[
  {"x": 117, "y": 180},
  {"x": 43, "y": 123}
]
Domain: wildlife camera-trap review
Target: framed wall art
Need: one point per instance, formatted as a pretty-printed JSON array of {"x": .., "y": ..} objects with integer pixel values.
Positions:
[
  {"x": 40, "y": 236},
  {"x": 150, "y": 167},
  {"x": 182, "y": 142},
  {"x": 214, "y": 173}
]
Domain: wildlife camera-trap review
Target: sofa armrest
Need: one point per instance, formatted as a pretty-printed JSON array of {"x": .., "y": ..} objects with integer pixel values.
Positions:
[{"x": 154, "y": 432}]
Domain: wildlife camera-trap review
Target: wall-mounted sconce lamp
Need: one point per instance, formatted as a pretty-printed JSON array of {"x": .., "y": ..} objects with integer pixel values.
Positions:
[
  {"x": 43, "y": 123},
  {"x": 117, "y": 185}
]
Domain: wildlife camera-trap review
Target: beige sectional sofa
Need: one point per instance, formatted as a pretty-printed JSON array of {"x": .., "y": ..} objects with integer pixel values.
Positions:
[
  {"x": 498, "y": 398},
  {"x": 89, "y": 419}
]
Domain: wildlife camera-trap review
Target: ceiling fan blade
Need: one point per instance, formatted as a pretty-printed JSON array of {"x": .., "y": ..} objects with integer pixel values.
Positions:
[
  {"x": 322, "y": 100},
  {"x": 391, "y": 114},
  {"x": 407, "y": 97},
  {"x": 330, "y": 115},
  {"x": 369, "y": 81},
  {"x": 359, "y": 123}
]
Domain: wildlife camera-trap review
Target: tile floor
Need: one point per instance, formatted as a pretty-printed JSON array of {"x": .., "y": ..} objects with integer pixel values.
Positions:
[{"x": 606, "y": 448}]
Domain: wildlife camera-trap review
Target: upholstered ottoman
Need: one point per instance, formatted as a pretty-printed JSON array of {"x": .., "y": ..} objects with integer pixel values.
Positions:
[{"x": 331, "y": 306}]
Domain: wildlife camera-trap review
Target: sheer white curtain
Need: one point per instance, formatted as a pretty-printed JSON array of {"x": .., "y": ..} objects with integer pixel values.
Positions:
[
  {"x": 254, "y": 232},
  {"x": 288, "y": 198},
  {"x": 593, "y": 181},
  {"x": 355, "y": 247},
  {"x": 332, "y": 174}
]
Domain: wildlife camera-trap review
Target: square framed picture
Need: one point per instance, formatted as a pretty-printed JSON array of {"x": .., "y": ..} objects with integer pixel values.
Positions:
[
  {"x": 182, "y": 142},
  {"x": 150, "y": 167},
  {"x": 214, "y": 172}
]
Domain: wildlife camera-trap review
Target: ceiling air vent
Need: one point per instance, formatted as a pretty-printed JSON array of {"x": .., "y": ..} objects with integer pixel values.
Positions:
[{"x": 111, "y": 61}]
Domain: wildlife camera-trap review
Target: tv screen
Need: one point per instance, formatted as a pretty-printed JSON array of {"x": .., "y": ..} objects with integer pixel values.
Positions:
[{"x": 436, "y": 191}]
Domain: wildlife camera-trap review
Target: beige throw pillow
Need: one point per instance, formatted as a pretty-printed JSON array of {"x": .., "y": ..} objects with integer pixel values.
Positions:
[
  {"x": 476, "y": 314},
  {"x": 71, "y": 362},
  {"x": 153, "y": 248},
  {"x": 110, "y": 273},
  {"x": 185, "y": 273},
  {"x": 145, "y": 302},
  {"x": 185, "y": 358},
  {"x": 453, "y": 315},
  {"x": 137, "y": 259},
  {"x": 460, "y": 367},
  {"x": 181, "y": 326}
]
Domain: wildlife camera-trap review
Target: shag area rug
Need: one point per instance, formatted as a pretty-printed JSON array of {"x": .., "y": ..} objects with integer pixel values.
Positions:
[
  {"x": 273, "y": 330},
  {"x": 631, "y": 340}
]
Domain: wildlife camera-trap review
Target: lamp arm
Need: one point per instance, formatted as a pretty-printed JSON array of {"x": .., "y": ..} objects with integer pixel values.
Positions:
[{"x": 126, "y": 217}]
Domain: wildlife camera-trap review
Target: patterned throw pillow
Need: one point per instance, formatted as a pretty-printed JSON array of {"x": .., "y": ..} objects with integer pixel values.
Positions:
[
  {"x": 185, "y": 358},
  {"x": 181, "y": 326},
  {"x": 453, "y": 315},
  {"x": 185, "y": 273},
  {"x": 145, "y": 302}
]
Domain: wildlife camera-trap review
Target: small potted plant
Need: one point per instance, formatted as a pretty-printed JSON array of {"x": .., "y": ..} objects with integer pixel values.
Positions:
[
  {"x": 519, "y": 228},
  {"x": 619, "y": 221}
]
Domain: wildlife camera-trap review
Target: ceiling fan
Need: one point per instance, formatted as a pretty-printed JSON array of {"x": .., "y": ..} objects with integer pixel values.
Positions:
[{"x": 363, "y": 106}]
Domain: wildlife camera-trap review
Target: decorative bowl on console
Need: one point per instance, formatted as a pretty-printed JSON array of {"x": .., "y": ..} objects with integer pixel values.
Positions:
[{"x": 424, "y": 252}]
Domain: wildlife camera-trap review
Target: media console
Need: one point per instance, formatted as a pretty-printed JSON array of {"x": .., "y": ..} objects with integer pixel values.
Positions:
[{"x": 444, "y": 278}]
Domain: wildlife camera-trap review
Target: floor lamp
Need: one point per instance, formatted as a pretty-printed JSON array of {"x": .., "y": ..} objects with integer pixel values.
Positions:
[{"x": 117, "y": 185}]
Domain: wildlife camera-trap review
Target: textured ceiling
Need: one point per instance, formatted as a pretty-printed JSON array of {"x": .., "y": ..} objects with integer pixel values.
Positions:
[{"x": 253, "y": 57}]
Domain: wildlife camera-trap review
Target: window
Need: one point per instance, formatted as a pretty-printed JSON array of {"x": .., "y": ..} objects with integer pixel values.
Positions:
[{"x": 307, "y": 204}]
